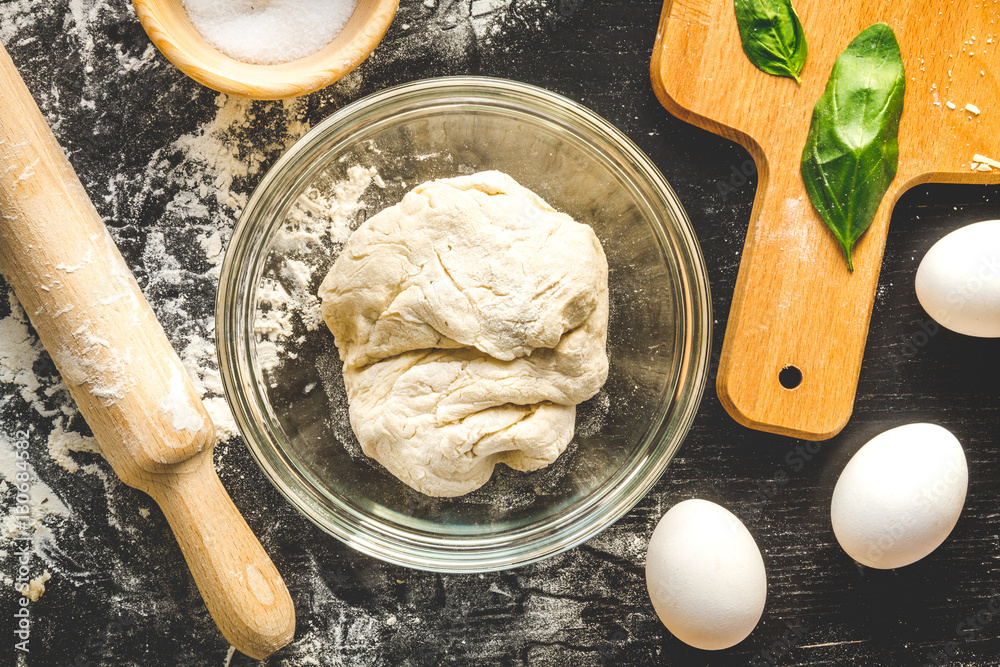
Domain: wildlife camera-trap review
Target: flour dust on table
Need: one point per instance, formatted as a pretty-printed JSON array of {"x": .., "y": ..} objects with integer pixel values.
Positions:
[
  {"x": 201, "y": 178},
  {"x": 170, "y": 165},
  {"x": 318, "y": 223}
]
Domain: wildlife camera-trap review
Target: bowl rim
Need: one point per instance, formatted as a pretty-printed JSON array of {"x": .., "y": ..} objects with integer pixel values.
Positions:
[
  {"x": 423, "y": 551},
  {"x": 210, "y": 67}
]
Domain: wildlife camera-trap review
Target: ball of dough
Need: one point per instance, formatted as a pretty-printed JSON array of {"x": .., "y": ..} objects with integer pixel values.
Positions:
[{"x": 472, "y": 319}]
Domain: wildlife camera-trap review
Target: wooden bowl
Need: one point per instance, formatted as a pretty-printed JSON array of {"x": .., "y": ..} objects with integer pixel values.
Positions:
[{"x": 171, "y": 31}]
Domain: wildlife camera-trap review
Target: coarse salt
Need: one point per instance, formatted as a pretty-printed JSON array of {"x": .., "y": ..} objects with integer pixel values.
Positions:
[
  {"x": 267, "y": 32},
  {"x": 972, "y": 108}
]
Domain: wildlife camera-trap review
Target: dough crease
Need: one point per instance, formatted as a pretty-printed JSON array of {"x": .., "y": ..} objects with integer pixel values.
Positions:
[{"x": 471, "y": 318}]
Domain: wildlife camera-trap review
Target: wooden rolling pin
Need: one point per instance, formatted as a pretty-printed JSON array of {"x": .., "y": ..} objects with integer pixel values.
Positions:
[{"x": 121, "y": 370}]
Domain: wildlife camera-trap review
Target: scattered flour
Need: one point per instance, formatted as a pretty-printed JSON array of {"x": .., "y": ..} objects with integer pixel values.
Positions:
[
  {"x": 19, "y": 350},
  {"x": 198, "y": 357},
  {"x": 268, "y": 357},
  {"x": 325, "y": 216},
  {"x": 274, "y": 319},
  {"x": 178, "y": 405},
  {"x": 43, "y": 503},
  {"x": 318, "y": 221},
  {"x": 207, "y": 172},
  {"x": 592, "y": 415},
  {"x": 111, "y": 486},
  {"x": 212, "y": 245},
  {"x": 209, "y": 169},
  {"x": 210, "y": 146},
  {"x": 62, "y": 442},
  {"x": 222, "y": 417},
  {"x": 177, "y": 213}
]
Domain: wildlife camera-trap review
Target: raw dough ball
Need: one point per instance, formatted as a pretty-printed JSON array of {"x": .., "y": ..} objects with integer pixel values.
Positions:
[{"x": 472, "y": 319}]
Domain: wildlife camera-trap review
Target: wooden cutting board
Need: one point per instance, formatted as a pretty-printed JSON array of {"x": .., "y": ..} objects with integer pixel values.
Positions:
[{"x": 796, "y": 306}]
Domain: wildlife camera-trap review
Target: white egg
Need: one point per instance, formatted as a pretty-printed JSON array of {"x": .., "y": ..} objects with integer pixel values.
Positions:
[
  {"x": 958, "y": 280},
  {"x": 900, "y": 496},
  {"x": 705, "y": 575}
]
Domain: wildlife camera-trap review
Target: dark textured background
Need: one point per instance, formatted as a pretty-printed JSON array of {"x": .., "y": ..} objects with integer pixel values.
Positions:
[{"x": 121, "y": 596}]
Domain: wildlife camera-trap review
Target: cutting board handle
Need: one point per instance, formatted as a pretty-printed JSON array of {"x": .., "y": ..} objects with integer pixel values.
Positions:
[
  {"x": 790, "y": 364},
  {"x": 123, "y": 373},
  {"x": 795, "y": 303}
]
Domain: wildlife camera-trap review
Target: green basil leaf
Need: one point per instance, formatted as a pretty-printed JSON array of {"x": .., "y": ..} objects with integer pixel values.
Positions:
[
  {"x": 772, "y": 36},
  {"x": 852, "y": 149}
]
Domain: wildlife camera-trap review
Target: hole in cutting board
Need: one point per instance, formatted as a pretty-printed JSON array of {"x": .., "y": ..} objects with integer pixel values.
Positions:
[{"x": 790, "y": 377}]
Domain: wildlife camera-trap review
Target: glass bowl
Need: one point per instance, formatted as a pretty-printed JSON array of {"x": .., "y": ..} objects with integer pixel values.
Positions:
[{"x": 282, "y": 374}]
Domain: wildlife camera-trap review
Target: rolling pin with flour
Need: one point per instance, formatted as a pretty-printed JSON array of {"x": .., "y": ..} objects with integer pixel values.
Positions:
[{"x": 120, "y": 368}]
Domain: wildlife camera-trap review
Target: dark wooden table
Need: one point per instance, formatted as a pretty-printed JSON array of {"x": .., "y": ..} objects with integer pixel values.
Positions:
[{"x": 144, "y": 139}]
